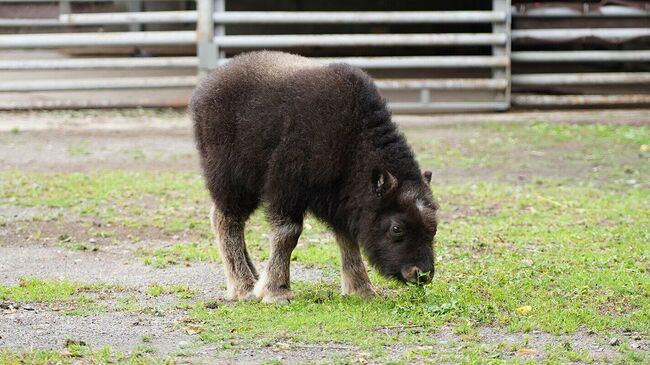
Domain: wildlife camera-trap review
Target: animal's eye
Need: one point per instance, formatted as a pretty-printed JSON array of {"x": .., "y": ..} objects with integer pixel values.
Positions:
[{"x": 396, "y": 230}]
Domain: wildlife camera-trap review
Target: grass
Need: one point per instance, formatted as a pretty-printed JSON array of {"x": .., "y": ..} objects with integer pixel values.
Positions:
[
  {"x": 41, "y": 291},
  {"x": 81, "y": 246},
  {"x": 179, "y": 253},
  {"x": 82, "y": 149},
  {"x": 69, "y": 298},
  {"x": 571, "y": 245},
  {"x": 180, "y": 291},
  {"x": 75, "y": 353},
  {"x": 608, "y": 150}
]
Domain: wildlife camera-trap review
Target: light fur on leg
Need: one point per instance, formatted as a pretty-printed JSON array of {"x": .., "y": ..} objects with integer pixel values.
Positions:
[
  {"x": 354, "y": 278},
  {"x": 240, "y": 274},
  {"x": 274, "y": 285}
]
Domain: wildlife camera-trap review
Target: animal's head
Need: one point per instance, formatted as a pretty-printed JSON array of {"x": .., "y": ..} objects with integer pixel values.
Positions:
[{"x": 399, "y": 233}]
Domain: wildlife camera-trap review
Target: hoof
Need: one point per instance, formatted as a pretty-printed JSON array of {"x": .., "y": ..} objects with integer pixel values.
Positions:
[
  {"x": 281, "y": 300},
  {"x": 363, "y": 292},
  {"x": 241, "y": 293},
  {"x": 273, "y": 295}
]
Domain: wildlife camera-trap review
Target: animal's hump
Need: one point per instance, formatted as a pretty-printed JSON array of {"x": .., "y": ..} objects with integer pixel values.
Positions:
[
  {"x": 369, "y": 101},
  {"x": 273, "y": 63}
]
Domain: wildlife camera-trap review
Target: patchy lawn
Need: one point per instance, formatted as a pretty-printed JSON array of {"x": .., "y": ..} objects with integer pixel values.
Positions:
[{"x": 543, "y": 254}]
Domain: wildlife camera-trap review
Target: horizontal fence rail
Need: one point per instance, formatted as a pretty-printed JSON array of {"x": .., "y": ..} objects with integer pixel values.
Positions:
[
  {"x": 341, "y": 17},
  {"x": 257, "y": 17},
  {"x": 99, "y": 84},
  {"x": 414, "y": 107},
  {"x": 149, "y": 17},
  {"x": 415, "y": 61},
  {"x": 583, "y": 78},
  {"x": 443, "y": 84},
  {"x": 551, "y": 11},
  {"x": 58, "y": 40},
  {"x": 609, "y": 34},
  {"x": 99, "y": 63},
  {"x": 581, "y": 56},
  {"x": 350, "y": 40},
  {"x": 535, "y": 100},
  {"x": 190, "y": 81}
]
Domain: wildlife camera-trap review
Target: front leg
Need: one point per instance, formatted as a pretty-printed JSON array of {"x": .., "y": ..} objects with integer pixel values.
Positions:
[
  {"x": 354, "y": 278},
  {"x": 240, "y": 272},
  {"x": 274, "y": 284}
]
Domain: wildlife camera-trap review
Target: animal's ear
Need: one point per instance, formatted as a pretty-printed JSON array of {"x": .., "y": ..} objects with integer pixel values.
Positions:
[
  {"x": 427, "y": 177},
  {"x": 383, "y": 182}
]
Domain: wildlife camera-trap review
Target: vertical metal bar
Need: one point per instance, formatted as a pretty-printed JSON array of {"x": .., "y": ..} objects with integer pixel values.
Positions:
[
  {"x": 503, "y": 50},
  {"x": 64, "y": 7},
  {"x": 206, "y": 50},
  {"x": 135, "y": 6},
  {"x": 425, "y": 96},
  {"x": 220, "y": 30}
]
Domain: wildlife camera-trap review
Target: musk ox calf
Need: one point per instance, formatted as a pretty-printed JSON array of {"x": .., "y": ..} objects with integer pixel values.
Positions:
[{"x": 281, "y": 130}]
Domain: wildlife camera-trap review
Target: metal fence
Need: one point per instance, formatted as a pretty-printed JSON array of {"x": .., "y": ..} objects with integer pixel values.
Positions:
[
  {"x": 604, "y": 77},
  {"x": 490, "y": 90}
]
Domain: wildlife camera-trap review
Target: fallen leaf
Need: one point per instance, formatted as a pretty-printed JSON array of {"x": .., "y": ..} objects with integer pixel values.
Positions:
[
  {"x": 524, "y": 310},
  {"x": 281, "y": 346},
  {"x": 526, "y": 352},
  {"x": 193, "y": 330},
  {"x": 643, "y": 148},
  {"x": 242, "y": 328}
]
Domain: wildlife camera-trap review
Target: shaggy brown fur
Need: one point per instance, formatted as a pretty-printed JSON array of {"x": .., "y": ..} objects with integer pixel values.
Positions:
[{"x": 280, "y": 129}]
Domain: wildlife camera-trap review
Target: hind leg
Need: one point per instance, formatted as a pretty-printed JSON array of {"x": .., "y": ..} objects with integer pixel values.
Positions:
[
  {"x": 274, "y": 285},
  {"x": 240, "y": 271}
]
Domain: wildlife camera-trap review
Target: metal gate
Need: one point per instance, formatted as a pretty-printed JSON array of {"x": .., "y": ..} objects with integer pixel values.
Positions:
[
  {"x": 473, "y": 72},
  {"x": 213, "y": 42},
  {"x": 581, "y": 53}
]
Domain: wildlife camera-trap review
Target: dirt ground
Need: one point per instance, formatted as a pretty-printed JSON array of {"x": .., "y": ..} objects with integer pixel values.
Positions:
[{"x": 57, "y": 142}]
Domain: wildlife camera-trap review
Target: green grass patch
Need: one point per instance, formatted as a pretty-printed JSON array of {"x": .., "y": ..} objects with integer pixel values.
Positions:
[
  {"x": 541, "y": 133},
  {"x": 41, "y": 291},
  {"x": 71, "y": 298},
  {"x": 77, "y": 352},
  {"x": 574, "y": 251},
  {"x": 81, "y": 246},
  {"x": 180, "y": 253},
  {"x": 180, "y": 291},
  {"x": 82, "y": 149},
  {"x": 600, "y": 151},
  {"x": 577, "y": 255}
]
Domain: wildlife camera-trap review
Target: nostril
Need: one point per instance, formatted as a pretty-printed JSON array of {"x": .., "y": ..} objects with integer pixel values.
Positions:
[
  {"x": 416, "y": 275},
  {"x": 411, "y": 274},
  {"x": 417, "y": 272}
]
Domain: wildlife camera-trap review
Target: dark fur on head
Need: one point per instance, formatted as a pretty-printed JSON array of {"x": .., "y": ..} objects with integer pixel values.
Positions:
[{"x": 280, "y": 129}]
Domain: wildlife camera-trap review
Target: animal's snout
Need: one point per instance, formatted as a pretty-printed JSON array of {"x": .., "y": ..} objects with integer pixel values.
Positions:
[{"x": 415, "y": 275}]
